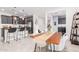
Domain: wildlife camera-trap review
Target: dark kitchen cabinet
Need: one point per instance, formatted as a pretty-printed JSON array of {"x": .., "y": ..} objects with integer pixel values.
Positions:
[
  {"x": 6, "y": 19},
  {"x": 29, "y": 22}
]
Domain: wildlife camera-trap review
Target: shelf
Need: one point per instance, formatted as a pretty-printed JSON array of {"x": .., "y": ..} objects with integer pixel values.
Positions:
[
  {"x": 75, "y": 35},
  {"x": 75, "y": 29},
  {"x": 77, "y": 18}
]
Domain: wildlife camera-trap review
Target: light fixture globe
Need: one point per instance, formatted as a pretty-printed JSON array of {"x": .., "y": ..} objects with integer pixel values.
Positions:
[{"x": 14, "y": 18}]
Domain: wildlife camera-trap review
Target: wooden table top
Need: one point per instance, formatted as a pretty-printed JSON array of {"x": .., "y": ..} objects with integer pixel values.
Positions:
[
  {"x": 42, "y": 38},
  {"x": 54, "y": 39},
  {"x": 48, "y": 37}
]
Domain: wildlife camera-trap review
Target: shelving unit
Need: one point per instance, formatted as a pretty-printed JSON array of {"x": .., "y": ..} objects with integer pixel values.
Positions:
[{"x": 74, "y": 37}]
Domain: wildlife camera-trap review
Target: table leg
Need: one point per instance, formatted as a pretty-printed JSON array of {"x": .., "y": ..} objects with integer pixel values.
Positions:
[
  {"x": 39, "y": 49},
  {"x": 35, "y": 47}
]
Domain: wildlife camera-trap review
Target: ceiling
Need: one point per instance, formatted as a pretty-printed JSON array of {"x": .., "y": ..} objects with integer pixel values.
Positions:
[{"x": 25, "y": 11}]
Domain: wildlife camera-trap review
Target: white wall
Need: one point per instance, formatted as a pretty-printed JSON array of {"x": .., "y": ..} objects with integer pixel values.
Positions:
[
  {"x": 55, "y": 27},
  {"x": 40, "y": 24},
  {"x": 35, "y": 26},
  {"x": 46, "y": 19}
]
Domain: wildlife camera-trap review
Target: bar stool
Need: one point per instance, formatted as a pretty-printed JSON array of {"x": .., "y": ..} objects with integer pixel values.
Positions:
[
  {"x": 26, "y": 32},
  {"x": 11, "y": 35},
  {"x": 21, "y": 32},
  {"x": 60, "y": 47}
]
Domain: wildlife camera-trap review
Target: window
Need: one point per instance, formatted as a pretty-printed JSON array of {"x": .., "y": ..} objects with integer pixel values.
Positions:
[
  {"x": 62, "y": 29},
  {"x": 61, "y": 20}
]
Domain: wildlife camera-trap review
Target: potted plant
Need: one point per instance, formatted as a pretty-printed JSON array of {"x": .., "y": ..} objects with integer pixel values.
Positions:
[{"x": 49, "y": 27}]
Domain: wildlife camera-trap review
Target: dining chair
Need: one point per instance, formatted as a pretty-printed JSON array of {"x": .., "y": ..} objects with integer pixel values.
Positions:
[{"x": 61, "y": 45}]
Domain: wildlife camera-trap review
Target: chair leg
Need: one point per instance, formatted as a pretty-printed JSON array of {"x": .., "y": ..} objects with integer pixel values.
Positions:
[
  {"x": 50, "y": 47},
  {"x": 54, "y": 48}
]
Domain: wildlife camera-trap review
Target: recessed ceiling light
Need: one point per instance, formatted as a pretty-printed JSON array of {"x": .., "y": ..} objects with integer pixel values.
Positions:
[
  {"x": 21, "y": 11},
  {"x": 14, "y": 7},
  {"x": 15, "y": 12}
]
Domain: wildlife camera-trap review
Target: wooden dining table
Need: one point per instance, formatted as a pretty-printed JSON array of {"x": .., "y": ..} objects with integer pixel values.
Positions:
[{"x": 43, "y": 39}]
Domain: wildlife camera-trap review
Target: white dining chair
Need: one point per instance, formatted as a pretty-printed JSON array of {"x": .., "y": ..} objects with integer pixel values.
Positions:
[{"x": 62, "y": 44}]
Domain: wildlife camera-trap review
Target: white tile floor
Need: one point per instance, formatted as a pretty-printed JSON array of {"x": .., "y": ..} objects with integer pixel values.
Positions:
[
  {"x": 24, "y": 45},
  {"x": 71, "y": 47},
  {"x": 27, "y": 45}
]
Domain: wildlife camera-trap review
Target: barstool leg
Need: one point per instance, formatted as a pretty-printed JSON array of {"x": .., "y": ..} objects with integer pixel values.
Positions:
[
  {"x": 8, "y": 38},
  {"x": 25, "y": 34}
]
